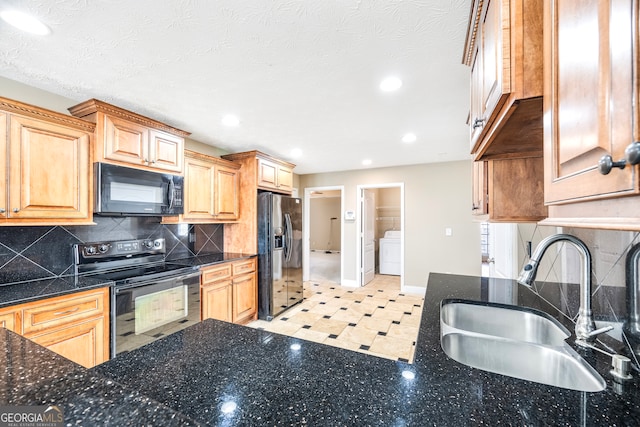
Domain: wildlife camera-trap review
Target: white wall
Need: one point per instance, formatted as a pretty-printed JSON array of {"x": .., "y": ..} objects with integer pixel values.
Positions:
[{"x": 437, "y": 196}]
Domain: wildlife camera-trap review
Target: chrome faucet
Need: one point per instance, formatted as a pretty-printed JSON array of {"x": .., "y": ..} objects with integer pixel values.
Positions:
[
  {"x": 632, "y": 325},
  {"x": 585, "y": 326}
]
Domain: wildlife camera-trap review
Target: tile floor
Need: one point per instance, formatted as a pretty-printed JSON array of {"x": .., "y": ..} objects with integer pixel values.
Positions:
[{"x": 375, "y": 319}]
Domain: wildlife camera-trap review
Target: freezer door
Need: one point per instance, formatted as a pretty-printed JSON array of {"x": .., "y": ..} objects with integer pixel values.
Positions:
[{"x": 292, "y": 213}]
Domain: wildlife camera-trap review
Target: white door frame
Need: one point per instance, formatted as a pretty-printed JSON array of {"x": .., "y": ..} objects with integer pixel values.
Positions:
[
  {"x": 359, "y": 195},
  {"x": 306, "y": 231}
]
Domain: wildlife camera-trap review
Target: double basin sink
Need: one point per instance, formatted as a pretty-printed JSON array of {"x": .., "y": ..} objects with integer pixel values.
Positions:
[{"x": 515, "y": 341}]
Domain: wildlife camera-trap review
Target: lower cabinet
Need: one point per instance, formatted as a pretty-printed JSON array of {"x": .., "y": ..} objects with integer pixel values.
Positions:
[
  {"x": 229, "y": 291},
  {"x": 75, "y": 326}
]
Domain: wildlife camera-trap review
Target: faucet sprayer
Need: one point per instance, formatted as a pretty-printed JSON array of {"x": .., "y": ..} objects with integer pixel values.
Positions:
[{"x": 585, "y": 326}]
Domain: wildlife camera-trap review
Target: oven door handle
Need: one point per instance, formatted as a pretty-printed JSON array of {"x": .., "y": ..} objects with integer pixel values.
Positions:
[{"x": 119, "y": 288}]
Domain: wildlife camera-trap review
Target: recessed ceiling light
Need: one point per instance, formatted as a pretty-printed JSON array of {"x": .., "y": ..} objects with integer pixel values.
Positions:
[
  {"x": 367, "y": 162},
  {"x": 296, "y": 152},
  {"x": 409, "y": 138},
  {"x": 390, "y": 84},
  {"x": 24, "y": 22},
  {"x": 230, "y": 120}
]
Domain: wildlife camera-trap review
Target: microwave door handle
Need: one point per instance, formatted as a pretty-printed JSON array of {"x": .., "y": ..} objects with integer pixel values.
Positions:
[{"x": 171, "y": 192}]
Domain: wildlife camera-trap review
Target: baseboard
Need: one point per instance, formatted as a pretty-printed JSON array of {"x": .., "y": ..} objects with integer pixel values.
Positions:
[
  {"x": 350, "y": 283},
  {"x": 414, "y": 290}
]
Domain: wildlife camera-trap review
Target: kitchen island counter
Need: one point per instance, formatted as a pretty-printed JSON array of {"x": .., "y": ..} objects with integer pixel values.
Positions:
[{"x": 216, "y": 373}]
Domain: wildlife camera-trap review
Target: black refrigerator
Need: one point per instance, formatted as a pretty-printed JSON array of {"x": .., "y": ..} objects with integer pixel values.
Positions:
[{"x": 279, "y": 253}]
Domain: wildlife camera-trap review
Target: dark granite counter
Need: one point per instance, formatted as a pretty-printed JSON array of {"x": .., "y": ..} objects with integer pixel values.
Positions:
[
  {"x": 18, "y": 293},
  {"x": 216, "y": 373},
  {"x": 21, "y": 292},
  {"x": 204, "y": 260}
]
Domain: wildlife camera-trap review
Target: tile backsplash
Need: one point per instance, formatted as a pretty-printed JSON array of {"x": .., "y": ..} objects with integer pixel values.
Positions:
[
  {"x": 29, "y": 253},
  {"x": 560, "y": 268}
]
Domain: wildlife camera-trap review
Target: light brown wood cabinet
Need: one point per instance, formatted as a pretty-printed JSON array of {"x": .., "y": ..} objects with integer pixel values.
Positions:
[
  {"x": 241, "y": 236},
  {"x": 275, "y": 176},
  {"x": 129, "y": 139},
  {"x": 229, "y": 291},
  {"x": 75, "y": 326},
  {"x": 45, "y": 173},
  {"x": 509, "y": 190},
  {"x": 504, "y": 50},
  {"x": 591, "y": 92},
  {"x": 212, "y": 190}
]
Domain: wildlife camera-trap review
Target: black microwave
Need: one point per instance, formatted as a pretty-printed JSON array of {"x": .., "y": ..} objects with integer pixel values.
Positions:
[{"x": 132, "y": 192}]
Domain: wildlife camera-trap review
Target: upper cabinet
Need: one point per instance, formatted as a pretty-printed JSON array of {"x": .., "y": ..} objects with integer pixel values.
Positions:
[
  {"x": 591, "y": 112},
  {"x": 129, "y": 139},
  {"x": 504, "y": 51},
  {"x": 212, "y": 187},
  {"x": 259, "y": 172},
  {"x": 275, "y": 175},
  {"x": 45, "y": 173}
]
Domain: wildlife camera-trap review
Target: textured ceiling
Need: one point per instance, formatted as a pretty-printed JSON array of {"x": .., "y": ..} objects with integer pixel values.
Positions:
[{"x": 299, "y": 74}]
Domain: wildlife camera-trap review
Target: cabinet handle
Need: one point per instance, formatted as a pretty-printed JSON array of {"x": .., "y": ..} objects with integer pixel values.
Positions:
[
  {"x": 478, "y": 123},
  {"x": 146, "y": 161},
  {"x": 16, "y": 210},
  {"x": 59, "y": 313},
  {"x": 606, "y": 163},
  {"x": 2, "y": 210},
  {"x": 632, "y": 153}
]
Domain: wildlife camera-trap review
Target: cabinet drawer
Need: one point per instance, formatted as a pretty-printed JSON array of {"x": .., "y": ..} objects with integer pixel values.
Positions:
[
  {"x": 215, "y": 273},
  {"x": 242, "y": 267},
  {"x": 8, "y": 321},
  {"x": 61, "y": 311}
]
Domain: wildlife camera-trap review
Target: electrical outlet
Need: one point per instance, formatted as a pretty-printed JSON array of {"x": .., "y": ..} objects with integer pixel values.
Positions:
[{"x": 448, "y": 231}]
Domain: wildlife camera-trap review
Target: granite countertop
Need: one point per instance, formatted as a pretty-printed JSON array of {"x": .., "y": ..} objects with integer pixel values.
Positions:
[
  {"x": 216, "y": 373},
  {"x": 21, "y": 292}
]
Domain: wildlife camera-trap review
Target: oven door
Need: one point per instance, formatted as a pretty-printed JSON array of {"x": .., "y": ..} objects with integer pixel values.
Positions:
[
  {"x": 148, "y": 311},
  {"x": 127, "y": 191}
]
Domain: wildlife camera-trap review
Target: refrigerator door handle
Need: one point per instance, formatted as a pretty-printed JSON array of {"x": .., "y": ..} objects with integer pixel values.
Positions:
[{"x": 288, "y": 237}]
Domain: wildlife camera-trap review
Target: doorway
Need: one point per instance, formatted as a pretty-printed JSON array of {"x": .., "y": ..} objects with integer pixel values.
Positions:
[
  {"x": 323, "y": 254},
  {"x": 380, "y": 225}
]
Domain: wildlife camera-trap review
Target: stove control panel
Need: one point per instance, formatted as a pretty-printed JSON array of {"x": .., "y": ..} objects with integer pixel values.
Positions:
[{"x": 118, "y": 249}]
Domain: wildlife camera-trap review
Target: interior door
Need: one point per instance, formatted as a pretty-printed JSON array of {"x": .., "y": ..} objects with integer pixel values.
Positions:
[
  {"x": 368, "y": 236},
  {"x": 502, "y": 250}
]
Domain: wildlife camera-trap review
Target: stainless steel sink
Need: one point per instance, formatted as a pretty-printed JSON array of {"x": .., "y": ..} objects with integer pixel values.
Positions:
[{"x": 514, "y": 341}]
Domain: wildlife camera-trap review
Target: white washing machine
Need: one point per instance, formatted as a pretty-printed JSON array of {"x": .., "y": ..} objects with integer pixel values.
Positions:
[{"x": 390, "y": 253}]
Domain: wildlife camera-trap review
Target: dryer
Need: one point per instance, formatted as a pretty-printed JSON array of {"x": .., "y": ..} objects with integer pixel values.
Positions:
[{"x": 390, "y": 253}]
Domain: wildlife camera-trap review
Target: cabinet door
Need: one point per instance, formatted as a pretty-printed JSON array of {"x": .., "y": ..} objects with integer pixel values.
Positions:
[
  {"x": 495, "y": 51},
  {"x": 245, "y": 296},
  {"x": 226, "y": 194},
  {"x": 125, "y": 141},
  {"x": 475, "y": 110},
  {"x": 480, "y": 188},
  {"x": 8, "y": 320},
  {"x": 166, "y": 151},
  {"x": 267, "y": 174},
  {"x": 4, "y": 118},
  {"x": 285, "y": 179},
  {"x": 82, "y": 342},
  {"x": 50, "y": 172},
  {"x": 198, "y": 195},
  {"x": 589, "y": 87},
  {"x": 217, "y": 300}
]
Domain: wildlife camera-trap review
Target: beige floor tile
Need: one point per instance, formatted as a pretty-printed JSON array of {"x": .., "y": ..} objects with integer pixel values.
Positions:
[
  {"x": 326, "y": 309},
  {"x": 310, "y": 335},
  {"x": 284, "y": 328},
  {"x": 403, "y": 331},
  {"x": 350, "y": 316},
  {"x": 400, "y": 306},
  {"x": 417, "y": 311},
  {"x": 364, "y": 307},
  {"x": 411, "y": 320},
  {"x": 387, "y": 313},
  {"x": 305, "y": 318},
  {"x": 329, "y": 326},
  {"x": 392, "y": 346},
  {"x": 349, "y": 345},
  {"x": 378, "y": 325},
  {"x": 362, "y": 336},
  {"x": 259, "y": 324}
]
